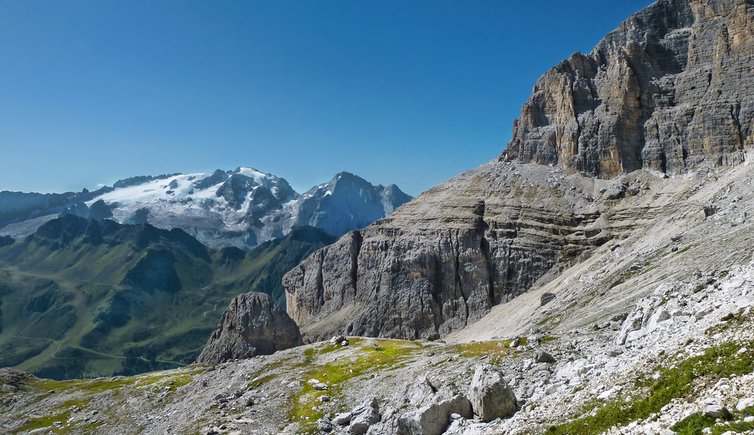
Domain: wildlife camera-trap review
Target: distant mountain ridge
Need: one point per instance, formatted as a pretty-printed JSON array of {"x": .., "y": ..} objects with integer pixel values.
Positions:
[{"x": 243, "y": 207}]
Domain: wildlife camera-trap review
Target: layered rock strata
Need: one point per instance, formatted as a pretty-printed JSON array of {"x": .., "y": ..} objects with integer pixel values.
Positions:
[{"x": 444, "y": 260}]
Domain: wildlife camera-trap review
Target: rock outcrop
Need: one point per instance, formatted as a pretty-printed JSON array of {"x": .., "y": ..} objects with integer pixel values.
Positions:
[
  {"x": 671, "y": 89},
  {"x": 443, "y": 260},
  {"x": 490, "y": 395},
  {"x": 252, "y": 325}
]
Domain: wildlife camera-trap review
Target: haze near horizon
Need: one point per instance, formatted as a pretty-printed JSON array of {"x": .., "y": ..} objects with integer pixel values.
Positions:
[{"x": 409, "y": 93}]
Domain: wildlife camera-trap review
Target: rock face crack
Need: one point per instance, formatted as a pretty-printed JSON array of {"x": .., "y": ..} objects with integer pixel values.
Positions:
[
  {"x": 484, "y": 248},
  {"x": 455, "y": 245},
  {"x": 355, "y": 249}
]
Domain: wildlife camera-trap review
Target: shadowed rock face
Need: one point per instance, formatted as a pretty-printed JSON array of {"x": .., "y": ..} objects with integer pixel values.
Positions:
[
  {"x": 671, "y": 89},
  {"x": 444, "y": 259},
  {"x": 251, "y": 325}
]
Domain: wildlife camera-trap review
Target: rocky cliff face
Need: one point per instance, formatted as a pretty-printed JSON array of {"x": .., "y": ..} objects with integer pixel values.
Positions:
[
  {"x": 251, "y": 325},
  {"x": 671, "y": 89},
  {"x": 444, "y": 259}
]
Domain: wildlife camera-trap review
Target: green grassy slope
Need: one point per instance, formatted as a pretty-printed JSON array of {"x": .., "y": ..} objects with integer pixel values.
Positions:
[{"x": 83, "y": 298}]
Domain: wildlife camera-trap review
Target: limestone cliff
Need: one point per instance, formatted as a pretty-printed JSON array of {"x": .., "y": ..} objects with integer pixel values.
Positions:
[
  {"x": 671, "y": 89},
  {"x": 445, "y": 259}
]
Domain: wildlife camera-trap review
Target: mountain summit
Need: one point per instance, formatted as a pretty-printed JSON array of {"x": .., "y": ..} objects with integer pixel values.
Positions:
[
  {"x": 671, "y": 89},
  {"x": 242, "y": 207}
]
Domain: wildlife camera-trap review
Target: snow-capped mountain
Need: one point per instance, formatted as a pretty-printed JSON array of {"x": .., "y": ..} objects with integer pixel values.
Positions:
[
  {"x": 347, "y": 201},
  {"x": 243, "y": 207}
]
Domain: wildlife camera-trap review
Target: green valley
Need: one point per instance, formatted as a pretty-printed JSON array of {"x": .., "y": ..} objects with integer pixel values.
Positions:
[{"x": 82, "y": 298}]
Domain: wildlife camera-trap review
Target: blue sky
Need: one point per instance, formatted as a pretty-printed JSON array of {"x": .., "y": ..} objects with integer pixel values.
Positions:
[{"x": 396, "y": 91}]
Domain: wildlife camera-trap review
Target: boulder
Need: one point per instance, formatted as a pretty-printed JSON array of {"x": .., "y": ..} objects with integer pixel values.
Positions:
[
  {"x": 434, "y": 419},
  {"x": 744, "y": 403},
  {"x": 364, "y": 416},
  {"x": 342, "y": 419},
  {"x": 545, "y": 299},
  {"x": 324, "y": 425},
  {"x": 715, "y": 410},
  {"x": 433, "y": 408},
  {"x": 544, "y": 357},
  {"x": 490, "y": 395},
  {"x": 337, "y": 339},
  {"x": 251, "y": 325}
]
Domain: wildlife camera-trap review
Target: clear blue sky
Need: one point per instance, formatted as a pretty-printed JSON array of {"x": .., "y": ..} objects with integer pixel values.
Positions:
[{"x": 410, "y": 92}]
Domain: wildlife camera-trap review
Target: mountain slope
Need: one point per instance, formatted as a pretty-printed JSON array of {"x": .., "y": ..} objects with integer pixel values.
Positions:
[
  {"x": 19, "y": 207},
  {"x": 622, "y": 304},
  {"x": 241, "y": 208},
  {"x": 444, "y": 260},
  {"x": 82, "y": 298}
]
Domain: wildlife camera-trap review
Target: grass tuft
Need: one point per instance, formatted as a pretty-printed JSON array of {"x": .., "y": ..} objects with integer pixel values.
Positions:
[
  {"x": 677, "y": 381},
  {"x": 304, "y": 405},
  {"x": 496, "y": 350}
]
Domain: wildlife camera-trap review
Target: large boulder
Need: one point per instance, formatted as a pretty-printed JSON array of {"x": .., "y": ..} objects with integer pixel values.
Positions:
[
  {"x": 490, "y": 395},
  {"x": 252, "y": 325},
  {"x": 364, "y": 416},
  {"x": 434, "y": 408},
  {"x": 434, "y": 419}
]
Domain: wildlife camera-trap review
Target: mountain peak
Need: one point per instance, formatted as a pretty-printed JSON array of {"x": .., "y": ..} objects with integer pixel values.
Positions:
[{"x": 634, "y": 101}]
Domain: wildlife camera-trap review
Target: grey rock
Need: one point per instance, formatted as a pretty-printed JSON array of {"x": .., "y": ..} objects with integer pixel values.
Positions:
[
  {"x": 324, "y": 425},
  {"x": 634, "y": 101},
  {"x": 544, "y": 357},
  {"x": 364, "y": 416},
  {"x": 420, "y": 392},
  {"x": 342, "y": 419},
  {"x": 664, "y": 315},
  {"x": 715, "y": 410},
  {"x": 746, "y": 402},
  {"x": 490, "y": 395},
  {"x": 320, "y": 386},
  {"x": 252, "y": 325},
  {"x": 433, "y": 419},
  {"x": 337, "y": 339},
  {"x": 546, "y": 298}
]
